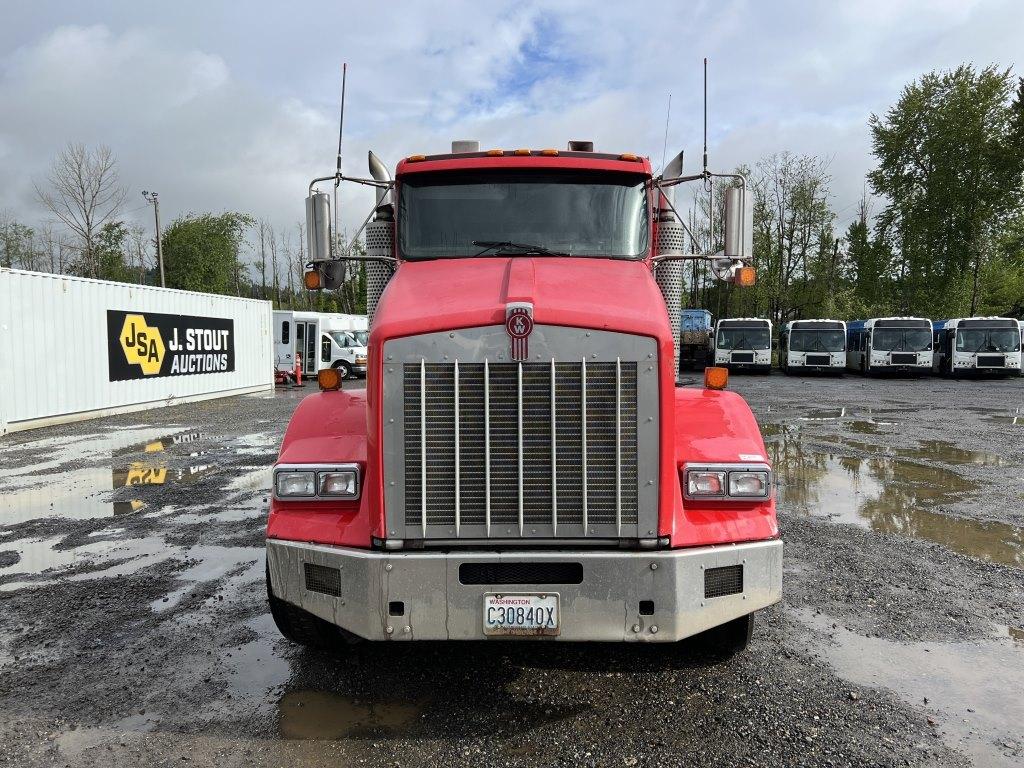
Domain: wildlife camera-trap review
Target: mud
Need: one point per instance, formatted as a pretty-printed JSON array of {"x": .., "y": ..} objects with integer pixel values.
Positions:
[{"x": 134, "y": 629}]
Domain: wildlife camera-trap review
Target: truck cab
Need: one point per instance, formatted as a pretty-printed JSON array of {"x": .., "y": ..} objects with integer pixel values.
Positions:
[
  {"x": 744, "y": 344},
  {"x": 521, "y": 463}
]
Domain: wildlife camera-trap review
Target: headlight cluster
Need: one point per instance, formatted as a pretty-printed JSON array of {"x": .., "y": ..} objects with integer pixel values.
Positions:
[
  {"x": 338, "y": 481},
  {"x": 727, "y": 481}
]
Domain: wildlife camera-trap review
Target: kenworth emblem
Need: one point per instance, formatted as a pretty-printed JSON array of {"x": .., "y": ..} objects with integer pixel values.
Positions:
[{"x": 519, "y": 324}]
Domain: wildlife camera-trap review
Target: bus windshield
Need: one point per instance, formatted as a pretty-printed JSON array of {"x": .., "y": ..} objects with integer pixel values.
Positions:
[
  {"x": 901, "y": 340},
  {"x": 345, "y": 339},
  {"x": 814, "y": 340},
  {"x": 521, "y": 212},
  {"x": 987, "y": 340},
  {"x": 744, "y": 338},
  {"x": 362, "y": 337}
]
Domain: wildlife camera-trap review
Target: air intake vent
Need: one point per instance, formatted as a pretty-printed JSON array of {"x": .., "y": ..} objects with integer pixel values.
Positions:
[
  {"x": 320, "y": 578},
  {"x": 719, "y": 582},
  {"x": 521, "y": 573}
]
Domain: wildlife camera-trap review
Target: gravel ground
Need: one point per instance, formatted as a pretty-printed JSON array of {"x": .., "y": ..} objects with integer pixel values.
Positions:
[{"x": 134, "y": 630}]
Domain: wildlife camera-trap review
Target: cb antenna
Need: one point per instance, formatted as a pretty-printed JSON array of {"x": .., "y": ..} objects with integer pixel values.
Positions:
[
  {"x": 337, "y": 171},
  {"x": 706, "y": 118},
  {"x": 664, "y": 147}
]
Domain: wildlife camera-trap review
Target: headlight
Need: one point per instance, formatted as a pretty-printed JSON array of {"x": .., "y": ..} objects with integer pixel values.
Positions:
[
  {"x": 727, "y": 482},
  {"x": 750, "y": 484},
  {"x": 311, "y": 481},
  {"x": 360, "y": 359},
  {"x": 342, "y": 484},
  {"x": 289, "y": 484},
  {"x": 700, "y": 483}
]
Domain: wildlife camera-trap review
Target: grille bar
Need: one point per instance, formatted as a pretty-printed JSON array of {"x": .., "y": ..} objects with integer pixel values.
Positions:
[
  {"x": 423, "y": 445},
  {"x": 519, "y": 435},
  {"x": 583, "y": 436},
  {"x": 618, "y": 446},
  {"x": 458, "y": 454},
  {"x": 487, "y": 444},
  {"x": 554, "y": 452}
]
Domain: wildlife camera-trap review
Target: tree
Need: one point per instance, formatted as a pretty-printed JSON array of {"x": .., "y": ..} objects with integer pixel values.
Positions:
[
  {"x": 111, "y": 253},
  {"x": 84, "y": 193},
  {"x": 950, "y": 165},
  {"x": 201, "y": 251},
  {"x": 17, "y": 246}
]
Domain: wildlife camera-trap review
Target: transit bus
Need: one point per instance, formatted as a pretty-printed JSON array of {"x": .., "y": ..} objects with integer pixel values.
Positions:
[
  {"x": 977, "y": 345},
  {"x": 889, "y": 344},
  {"x": 744, "y": 343},
  {"x": 813, "y": 346}
]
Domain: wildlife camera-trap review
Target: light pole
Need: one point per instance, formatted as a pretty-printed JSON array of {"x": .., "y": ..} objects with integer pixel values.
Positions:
[{"x": 152, "y": 197}]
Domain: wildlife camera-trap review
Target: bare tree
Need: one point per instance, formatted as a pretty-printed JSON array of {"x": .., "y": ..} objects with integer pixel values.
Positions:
[
  {"x": 139, "y": 250},
  {"x": 272, "y": 242},
  {"x": 84, "y": 192}
]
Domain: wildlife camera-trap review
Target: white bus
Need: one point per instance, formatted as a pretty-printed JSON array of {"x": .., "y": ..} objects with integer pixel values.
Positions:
[
  {"x": 813, "y": 345},
  {"x": 744, "y": 343},
  {"x": 977, "y": 345},
  {"x": 889, "y": 344},
  {"x": 321, "y": 340}
]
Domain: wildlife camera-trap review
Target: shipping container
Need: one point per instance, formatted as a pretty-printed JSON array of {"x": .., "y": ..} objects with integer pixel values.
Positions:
[{"x": 73, "y": 348}]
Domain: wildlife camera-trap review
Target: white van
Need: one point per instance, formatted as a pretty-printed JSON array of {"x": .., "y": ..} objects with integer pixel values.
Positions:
[{"x": 321, "y": 340}]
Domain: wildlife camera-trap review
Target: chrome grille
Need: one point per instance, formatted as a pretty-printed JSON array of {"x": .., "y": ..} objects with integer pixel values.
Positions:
[{"x": 522, "y": 449}]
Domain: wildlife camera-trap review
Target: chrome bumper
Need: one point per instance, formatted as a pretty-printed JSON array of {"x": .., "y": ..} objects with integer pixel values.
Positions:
[{"x": 604, "y": 607}]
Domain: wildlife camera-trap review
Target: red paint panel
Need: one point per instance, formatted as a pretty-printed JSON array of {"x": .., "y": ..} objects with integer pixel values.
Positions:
[
  {"x": 715, "y": 427},
  {"x": 327, "y": 428}
]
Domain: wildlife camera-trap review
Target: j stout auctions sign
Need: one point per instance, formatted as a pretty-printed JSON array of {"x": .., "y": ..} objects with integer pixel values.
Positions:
[{"x": 147, "y": 345}]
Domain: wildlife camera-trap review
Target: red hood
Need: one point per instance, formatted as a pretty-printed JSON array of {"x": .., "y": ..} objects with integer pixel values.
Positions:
[{"x": 442, "y": 294}]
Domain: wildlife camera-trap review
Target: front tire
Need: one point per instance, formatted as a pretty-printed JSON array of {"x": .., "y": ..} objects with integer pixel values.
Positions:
[
  {"x": 301, "y": 626},
  {"x": 345, "y": 368}
]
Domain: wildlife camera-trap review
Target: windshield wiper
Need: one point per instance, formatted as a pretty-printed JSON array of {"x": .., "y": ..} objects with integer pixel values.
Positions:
[{"x": 507, "y": 245}]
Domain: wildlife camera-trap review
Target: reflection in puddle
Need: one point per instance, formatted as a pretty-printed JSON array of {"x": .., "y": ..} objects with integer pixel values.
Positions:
[
  {"x": 45, "y": 490},
  {"x": 326, "y": 715},
  {"x": 975, "y": 686},
  {"x": 889, "y": 495}
]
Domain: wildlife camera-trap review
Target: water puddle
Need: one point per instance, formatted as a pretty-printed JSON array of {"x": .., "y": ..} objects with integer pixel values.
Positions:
[
  {"x": 890, "y": 495},
  {"x": 330, "y": 716},
  {"x": 973, "y": 687},
  {"x": 44, "y": 489}
]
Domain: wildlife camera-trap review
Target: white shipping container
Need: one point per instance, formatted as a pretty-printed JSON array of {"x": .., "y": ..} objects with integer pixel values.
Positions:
[{"x": 73, "y": 348}]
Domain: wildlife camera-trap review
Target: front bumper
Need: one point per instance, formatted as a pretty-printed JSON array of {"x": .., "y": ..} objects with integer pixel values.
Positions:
[{"x": 605, "y": 606}]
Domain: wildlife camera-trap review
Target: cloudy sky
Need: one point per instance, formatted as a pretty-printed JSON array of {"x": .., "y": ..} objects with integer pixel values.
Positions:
[{"x": 233, "y": 106}]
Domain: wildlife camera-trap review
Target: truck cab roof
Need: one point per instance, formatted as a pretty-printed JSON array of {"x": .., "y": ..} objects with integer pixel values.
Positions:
[{"x": 507, "y": 159}]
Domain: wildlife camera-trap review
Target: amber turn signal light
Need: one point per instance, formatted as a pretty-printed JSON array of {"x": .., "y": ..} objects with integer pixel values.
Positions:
[
  {"x": 312, "y": 280},
  {"x": 746, "y": 276},
  {"x": 716, "y": 378},
  {"x": 329, "y": 379}
]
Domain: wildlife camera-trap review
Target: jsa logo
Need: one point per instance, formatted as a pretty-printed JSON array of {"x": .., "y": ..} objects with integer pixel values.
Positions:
[{"x": 142, "y": 344}]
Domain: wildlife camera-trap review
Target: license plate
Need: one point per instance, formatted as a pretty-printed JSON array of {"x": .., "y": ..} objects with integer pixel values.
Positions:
[{"x": 534, "y": 614}]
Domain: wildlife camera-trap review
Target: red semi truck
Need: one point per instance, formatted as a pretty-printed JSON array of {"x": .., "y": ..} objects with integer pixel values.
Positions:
[{"x": 521, "y": 462}]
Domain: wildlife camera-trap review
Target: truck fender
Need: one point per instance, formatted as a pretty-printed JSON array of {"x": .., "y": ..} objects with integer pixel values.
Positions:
[
  {"x": 718, "y": 427},
  {"x": 326, "y": 428}
]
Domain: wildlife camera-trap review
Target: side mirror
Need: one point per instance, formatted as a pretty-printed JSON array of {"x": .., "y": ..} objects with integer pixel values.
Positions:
[
  {"x": 318, "y": 226},
  {"x": 739, "y": 224}
]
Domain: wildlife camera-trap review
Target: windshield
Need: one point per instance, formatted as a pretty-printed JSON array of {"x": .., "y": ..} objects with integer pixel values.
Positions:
[
  {"x": 901, "y": 340},
  {"x": 817, "y": 341},
  {"x": 744, "y": 338},
  {"x": 987, "y": 340},
  {"x": 345, "y": 339},
  {"x": 362, "y": 337},
  {"x": 444, "y": 215}
]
